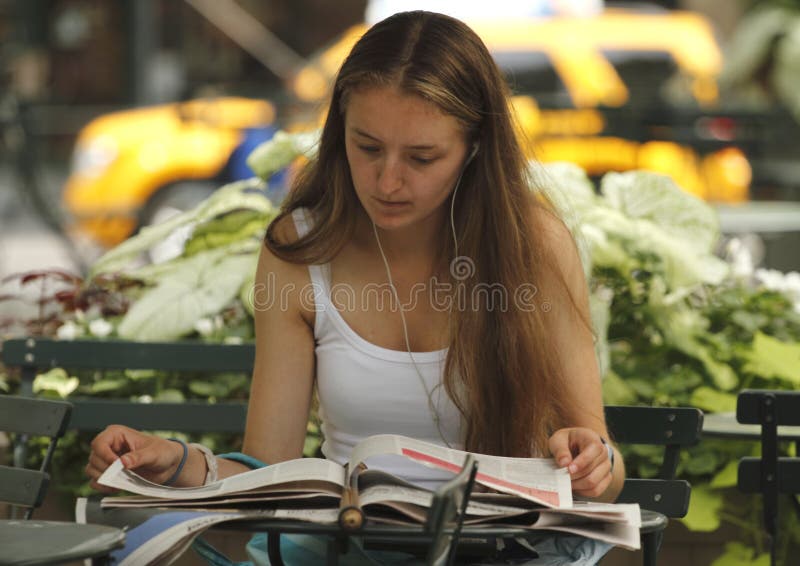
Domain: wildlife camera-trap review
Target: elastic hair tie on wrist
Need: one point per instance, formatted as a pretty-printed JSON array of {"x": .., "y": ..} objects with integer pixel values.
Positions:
[{"x": 178, "y": 471}]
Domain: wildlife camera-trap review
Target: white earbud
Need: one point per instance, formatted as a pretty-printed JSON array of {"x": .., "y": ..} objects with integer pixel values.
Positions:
[
  {"x": 472, "y": 153},
  {"x": 471, "y": 156}
]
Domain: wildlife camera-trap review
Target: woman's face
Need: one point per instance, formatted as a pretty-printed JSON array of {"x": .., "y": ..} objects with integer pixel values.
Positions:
[{"x": 405, "y": 155}]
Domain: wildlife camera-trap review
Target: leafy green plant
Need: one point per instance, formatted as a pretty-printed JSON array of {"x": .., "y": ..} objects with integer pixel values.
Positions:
[
  {"x": 682, "y": 328},
  {"x": 675, "y": 323}
]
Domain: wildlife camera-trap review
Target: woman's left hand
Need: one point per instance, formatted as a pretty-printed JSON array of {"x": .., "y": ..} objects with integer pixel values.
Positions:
[{"x": 583, "y": 453}]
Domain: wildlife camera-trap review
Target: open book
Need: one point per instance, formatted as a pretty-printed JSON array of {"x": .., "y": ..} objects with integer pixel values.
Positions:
[{"x": 526, "y": 492}]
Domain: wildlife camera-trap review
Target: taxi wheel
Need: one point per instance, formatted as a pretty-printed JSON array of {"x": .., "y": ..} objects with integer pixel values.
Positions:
[{"x": 168, "y": 202}]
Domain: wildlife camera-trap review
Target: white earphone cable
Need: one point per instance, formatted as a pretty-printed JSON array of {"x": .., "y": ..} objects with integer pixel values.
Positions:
[{"x": 428, "y": 393}]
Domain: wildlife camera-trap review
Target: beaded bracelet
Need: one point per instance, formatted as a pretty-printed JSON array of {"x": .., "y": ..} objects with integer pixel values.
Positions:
[
  {"x": 610, "y": 450},
  {"x": 178, "y": 471}
]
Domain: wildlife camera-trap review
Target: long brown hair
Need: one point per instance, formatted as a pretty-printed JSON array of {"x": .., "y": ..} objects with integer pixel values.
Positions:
[{"x": 501, "y": 370}]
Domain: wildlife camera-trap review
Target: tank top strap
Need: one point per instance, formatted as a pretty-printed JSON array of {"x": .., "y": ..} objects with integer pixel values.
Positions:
[{"x": 320, "y": 274}]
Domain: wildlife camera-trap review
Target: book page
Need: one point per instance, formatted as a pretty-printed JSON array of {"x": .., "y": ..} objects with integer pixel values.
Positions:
[
  {"x": 278, "y": 492},
  {"x": 393, "y": 494},
  {"x": 536, "y": 479},
  {"x": 228, "y": 501},
  {"x": 302, "y": 469}
]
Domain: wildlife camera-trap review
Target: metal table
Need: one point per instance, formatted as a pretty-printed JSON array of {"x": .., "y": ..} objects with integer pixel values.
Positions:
[
  {"x": 474, "y": 541},
  {"x": 26, "y": 543}
]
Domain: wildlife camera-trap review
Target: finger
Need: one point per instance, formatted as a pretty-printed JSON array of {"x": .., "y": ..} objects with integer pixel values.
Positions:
[
  {"x": 92, "y": 471},
  {"x": 584, "y": 471},
  {"x": 559, "y": 448},
  {"x": 102, "y": 488},
  {"x": 157, "y": 456},
  {"x": 589, "y": 451},
  {"x": 99, "y": 461},
  {"x": 593, "y": 477},
  {"x": 94, "y": 474},
  {"x": 142, "y": 458},
  {"x": 114, "y": 441},
  {"x": 595, "y": 483},
  {"x": 103, "y": 449}
]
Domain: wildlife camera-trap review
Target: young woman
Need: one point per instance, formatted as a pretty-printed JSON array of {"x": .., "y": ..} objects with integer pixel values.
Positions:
[{"x": 425, "y": 289}]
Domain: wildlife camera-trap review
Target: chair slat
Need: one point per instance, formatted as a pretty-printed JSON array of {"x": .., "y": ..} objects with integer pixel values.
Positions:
[
  {"x": 654, "y": 425},
  {"x": 96, "y": 414},
  {"x": 669, "y": 497},
  {"x": 34, "y": 354},
  {"x": 38, "y": 417},
  {"x": 118, "y": 354},
  {"x": 749, "y": 478},
  {"x": 21, "y": 486},
  {"x": 748, "y": 406}
]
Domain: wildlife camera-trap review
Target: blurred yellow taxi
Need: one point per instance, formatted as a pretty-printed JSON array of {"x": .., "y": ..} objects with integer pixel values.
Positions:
[
  {"x": 136, "y": 167},
  {"x": 594, "y": 90},
  {"x": 597, "y": 91}
]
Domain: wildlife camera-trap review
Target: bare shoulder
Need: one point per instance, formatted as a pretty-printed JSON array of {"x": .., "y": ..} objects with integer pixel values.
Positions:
[
  {"x": 282, "y": 282},
  {"x": 284, "y": 230}
]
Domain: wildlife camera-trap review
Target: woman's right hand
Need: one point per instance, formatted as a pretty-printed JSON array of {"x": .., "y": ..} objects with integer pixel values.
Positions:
[{"x": 153, "y": 458}]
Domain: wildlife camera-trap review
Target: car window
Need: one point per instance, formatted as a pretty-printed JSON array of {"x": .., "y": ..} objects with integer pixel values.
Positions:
[
  {"x": 532, "y": 73},
  {"x": 645, "y": 73}
]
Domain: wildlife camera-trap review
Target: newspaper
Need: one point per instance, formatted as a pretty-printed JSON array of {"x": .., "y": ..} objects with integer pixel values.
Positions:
[
  {"x": 300, "y": 470},
  {"x": 532, "y": 493},
  {"x": 161, "y": 538},
  {"x": 535, "y": 479}
]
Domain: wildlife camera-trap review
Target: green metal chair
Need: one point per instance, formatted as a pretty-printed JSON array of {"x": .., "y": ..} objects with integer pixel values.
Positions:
[
  {"x": 770, "y": 475},
  {"x": 42, "y": 542},
  {"x": 664, "y": 497}
]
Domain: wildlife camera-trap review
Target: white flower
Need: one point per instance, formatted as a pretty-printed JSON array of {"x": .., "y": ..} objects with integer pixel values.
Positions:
[
  {"x": 605, "y": 294},
  {"x": 769, "y": 278},
  {"x": 775, "y": 280},
  {"x": 69, "y": 331},
  {"x": 233, "y": 340},
  {"x": 786, "y": 283},
  {"x": 741, "y": 259},
  {"x": 100, "y": 327},
  {"x": 204, "y": 326},
  {"x": 792, "y": 281}
]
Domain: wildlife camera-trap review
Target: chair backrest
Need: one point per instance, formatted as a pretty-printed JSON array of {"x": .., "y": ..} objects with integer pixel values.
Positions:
[
  {"x": 672, "y": 427},
  {"x": 446, "y": 515},
  {"x": 32, "y": 355},
  {"x": 770, "y": 474},
  {"x": 30, "y": 417}
]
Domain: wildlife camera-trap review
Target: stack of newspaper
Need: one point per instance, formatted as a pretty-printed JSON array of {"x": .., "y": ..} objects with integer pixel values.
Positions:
[{"x": 532, "y": 493}]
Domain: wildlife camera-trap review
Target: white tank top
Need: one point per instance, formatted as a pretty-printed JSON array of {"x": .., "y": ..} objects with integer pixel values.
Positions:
[{"x": 365, "y": 389}]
